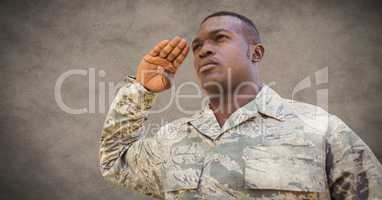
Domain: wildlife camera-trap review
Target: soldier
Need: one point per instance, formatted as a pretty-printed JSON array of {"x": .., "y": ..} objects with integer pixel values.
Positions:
[{"x": 248, "y": 143}]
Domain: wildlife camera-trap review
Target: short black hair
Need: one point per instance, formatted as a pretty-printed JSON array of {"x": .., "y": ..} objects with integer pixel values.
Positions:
[{"x": 251, "y": 33}]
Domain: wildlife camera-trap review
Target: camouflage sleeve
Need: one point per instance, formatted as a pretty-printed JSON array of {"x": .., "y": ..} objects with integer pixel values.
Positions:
[
  {"x": 128, "y": 157},
  {"x": 353, "y": 170}
]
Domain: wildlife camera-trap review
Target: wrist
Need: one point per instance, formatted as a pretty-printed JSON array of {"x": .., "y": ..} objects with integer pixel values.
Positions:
[{"x": 134, "y": 80}]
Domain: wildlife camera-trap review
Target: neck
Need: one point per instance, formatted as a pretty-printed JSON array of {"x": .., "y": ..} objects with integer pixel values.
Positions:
[{"x": 226, "y": 104}]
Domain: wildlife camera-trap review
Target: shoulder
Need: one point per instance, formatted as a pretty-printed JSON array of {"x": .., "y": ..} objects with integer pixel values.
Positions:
[
  {"x": 309, "y": 115},
  {"x": 318, "y": 120}
]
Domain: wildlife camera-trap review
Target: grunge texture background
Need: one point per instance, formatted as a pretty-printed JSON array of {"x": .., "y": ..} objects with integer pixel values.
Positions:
[{"x": 47, "y": 153}]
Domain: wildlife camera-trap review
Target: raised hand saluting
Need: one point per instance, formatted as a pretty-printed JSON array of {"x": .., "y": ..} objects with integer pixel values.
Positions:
[{"x": 161, "y": 63}]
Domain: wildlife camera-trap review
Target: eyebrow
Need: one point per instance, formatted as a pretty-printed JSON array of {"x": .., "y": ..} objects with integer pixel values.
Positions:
[{"x": 197, "y": 40}]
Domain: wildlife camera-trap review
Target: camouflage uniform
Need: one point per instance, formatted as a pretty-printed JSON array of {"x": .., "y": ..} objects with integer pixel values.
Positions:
[{"x": 271, "y": 148}]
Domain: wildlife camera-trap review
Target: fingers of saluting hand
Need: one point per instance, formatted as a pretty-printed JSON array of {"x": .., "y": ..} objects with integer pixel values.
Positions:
[
  {"x": 180, "y": 58},
  {"x": 177, "y": 50},
  {"x": 169, "y": 53},
  {"x": 158, "y": 48},
  {"x": 170, "y": 46}
]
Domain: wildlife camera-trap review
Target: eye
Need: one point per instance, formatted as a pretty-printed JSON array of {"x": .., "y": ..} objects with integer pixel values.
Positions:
[
  {"x": 195, "y": 47},
  {"x": 220, "y": 37}
]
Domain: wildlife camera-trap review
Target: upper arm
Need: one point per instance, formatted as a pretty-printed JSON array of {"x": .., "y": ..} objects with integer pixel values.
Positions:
[{"x": 353, "y": 170}]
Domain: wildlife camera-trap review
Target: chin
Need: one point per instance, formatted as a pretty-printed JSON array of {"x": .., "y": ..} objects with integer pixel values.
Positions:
[{"x": 213, "y": 76}]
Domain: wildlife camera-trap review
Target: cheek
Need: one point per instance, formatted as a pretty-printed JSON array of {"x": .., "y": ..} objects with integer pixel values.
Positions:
[
  {"x": 236, "y": 59},
  {"x": 236, "y": 53}
]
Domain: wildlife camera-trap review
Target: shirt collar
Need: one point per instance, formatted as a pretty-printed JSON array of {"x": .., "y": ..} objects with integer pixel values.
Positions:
[
  {"x": 270, "y": 103},
  {"x": 267, "y": 102}
]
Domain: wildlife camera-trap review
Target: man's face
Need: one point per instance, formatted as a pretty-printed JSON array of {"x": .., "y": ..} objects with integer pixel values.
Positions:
[{"x": 221, "y": 54}]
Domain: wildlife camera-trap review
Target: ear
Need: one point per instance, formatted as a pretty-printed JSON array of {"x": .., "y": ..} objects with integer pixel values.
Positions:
[{"x": 257, "y": 52}]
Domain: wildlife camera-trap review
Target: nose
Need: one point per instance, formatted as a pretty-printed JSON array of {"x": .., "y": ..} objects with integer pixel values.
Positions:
[{"x": 206, "y": 50}]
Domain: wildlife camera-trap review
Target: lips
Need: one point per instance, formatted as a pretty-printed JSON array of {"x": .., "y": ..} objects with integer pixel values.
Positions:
[{"x": 207, "y": 66}]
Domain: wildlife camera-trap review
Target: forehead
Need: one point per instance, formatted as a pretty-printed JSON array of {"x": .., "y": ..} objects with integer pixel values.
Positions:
[{"x": 229, "y": 23}]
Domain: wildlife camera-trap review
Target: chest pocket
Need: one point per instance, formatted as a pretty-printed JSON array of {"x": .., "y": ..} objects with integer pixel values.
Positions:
[
  {"x": 184, "y": 167},
  {"x": 284, "y": 167}
]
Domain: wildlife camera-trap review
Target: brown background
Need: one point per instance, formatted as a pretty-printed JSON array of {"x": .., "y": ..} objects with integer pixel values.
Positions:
[{"x": 47, "y": 153}]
